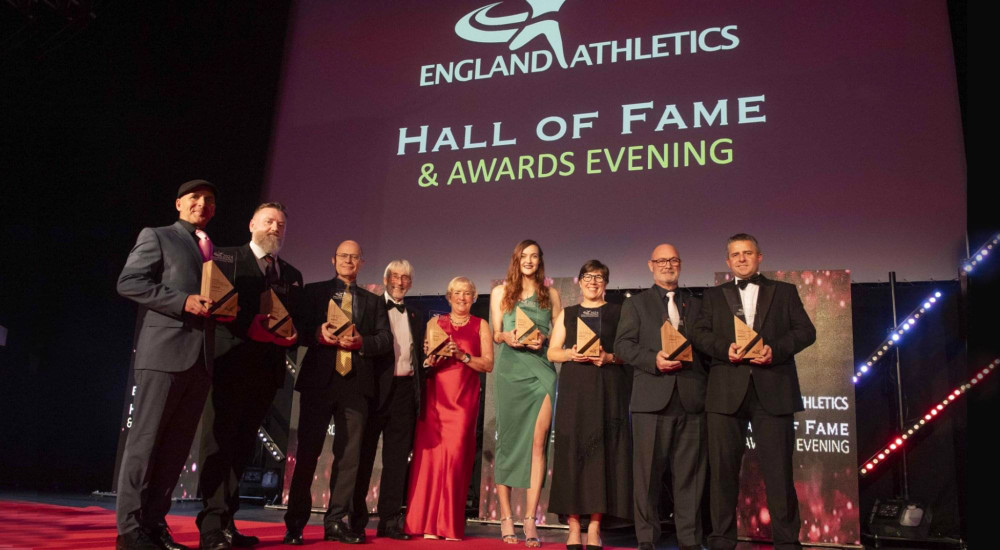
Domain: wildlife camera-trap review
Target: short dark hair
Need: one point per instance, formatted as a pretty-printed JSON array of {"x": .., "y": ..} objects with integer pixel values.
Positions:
[
  {"x": 742, "y": 237},
  {"x": 595, "y": 265},
  {"x": 275, "y": 205}
]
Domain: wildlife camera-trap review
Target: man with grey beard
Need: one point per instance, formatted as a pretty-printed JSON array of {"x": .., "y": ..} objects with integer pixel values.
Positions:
[{"x": 249, "y": 370}]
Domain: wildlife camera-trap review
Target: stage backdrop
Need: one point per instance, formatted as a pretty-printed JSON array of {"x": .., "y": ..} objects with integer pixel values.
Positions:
[{"x": 446, "y": 131}]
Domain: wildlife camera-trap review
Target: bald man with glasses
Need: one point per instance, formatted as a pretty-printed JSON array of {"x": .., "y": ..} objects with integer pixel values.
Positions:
[{"x": 668, "y": 404}]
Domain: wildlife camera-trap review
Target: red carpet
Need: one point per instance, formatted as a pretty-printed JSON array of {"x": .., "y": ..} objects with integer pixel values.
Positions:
[{"x": 26, "y": 525}]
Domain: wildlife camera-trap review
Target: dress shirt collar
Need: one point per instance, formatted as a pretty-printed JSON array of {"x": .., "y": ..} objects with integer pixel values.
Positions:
[
  {"x": 188, "y": 226},
  {"x": 339, "y": 284},
  {"x": 259, "y": 253},
  {"x": 389, "y": 300},
  {"x": 662, "y": 292}
]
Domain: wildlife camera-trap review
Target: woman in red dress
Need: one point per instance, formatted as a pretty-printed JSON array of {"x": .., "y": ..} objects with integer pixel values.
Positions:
[{"x": 444, "y": 446}]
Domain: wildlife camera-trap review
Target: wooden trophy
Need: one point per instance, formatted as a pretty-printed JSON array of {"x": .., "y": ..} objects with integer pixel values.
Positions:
[
  {"x": 279, "y": 322},
  {"x": 525, "y": 329},
  {"x": 747, "y": 340},
  {"x": 588, "y": 342},
  {"x": 675, "y": 345},
  {"x": 342, "y": 324},
  {"x": 437, "y": 338},
  {"x": 217, "y": 287}
]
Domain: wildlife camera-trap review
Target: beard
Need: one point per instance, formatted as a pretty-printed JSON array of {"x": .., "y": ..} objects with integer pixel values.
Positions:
[{"x": 270, "y": 244}]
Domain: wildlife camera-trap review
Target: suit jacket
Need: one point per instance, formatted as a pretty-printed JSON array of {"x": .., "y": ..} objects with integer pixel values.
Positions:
[
  {"x": 637, "y": 343},
  {"x": 782, "y": 323},
  {"x": 162, "y": 270},
  {"x": 385, "y": 365},
  {"x": 318, "y": 370},
  {"x": 231, "y": 341}
]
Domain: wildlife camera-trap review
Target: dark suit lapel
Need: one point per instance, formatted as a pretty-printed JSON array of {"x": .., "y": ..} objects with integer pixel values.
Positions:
[
  {"x": 732, "y": 294},
  {"x": 356, "y": 307},
  {"x": 685, "y": 309},
  {"x": 764, "y": 297},
  {"x": 286, "y": 272},
  {"x": 659, "y": 305},
  {"x": 414, "y": 331},
  {"x": 246, "y": 262},
  {"x": 187, "y": 238}
]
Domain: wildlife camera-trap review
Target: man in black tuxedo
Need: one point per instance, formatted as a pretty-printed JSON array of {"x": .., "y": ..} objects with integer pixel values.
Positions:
[
  {"x": 762, "y": 391},
  {"x": 249, "y": 370},
  {"x": 668, "y": 402},
  {"x": 173, "y": 365},
  {"x": 392, "y": 412},
  {"x": 336, "y": 378}
]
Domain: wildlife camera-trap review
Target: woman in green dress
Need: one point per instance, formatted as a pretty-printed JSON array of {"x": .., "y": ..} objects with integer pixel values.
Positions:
[{"x": 525, "y": 386}]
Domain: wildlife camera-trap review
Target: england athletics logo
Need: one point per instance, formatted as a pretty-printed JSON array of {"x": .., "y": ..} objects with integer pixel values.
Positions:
[
  {"x": 518, "y": 36},
  {"x": 538, "y": 19}
]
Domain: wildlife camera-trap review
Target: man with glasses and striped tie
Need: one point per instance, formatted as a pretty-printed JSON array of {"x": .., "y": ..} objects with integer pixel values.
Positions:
[{"x": 336, "y": 379}]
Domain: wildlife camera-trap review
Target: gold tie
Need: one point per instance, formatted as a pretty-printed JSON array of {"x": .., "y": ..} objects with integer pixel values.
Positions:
[{"x": 344, "y": 355}]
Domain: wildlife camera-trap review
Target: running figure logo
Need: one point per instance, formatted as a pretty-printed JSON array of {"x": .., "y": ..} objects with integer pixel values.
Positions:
[{"x": 516, "y": 37}]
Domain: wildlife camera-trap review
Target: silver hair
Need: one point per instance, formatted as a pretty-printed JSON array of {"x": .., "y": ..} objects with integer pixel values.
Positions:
[{"x": 402, "y": 266}]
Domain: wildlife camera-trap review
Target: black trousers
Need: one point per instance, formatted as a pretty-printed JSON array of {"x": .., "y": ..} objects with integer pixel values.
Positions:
[
  {"x": 349, "y": 409},
  {"x": 168, "y": 406},
  {"x": 774, "y": 436},
  {"x": 394, "y": 421},
  {"x": 240, "y": 399},
  {"x": 669, "y": 439}
]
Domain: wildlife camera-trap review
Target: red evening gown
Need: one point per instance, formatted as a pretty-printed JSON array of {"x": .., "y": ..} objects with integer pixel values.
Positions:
[{"x": 444, "y": 445}]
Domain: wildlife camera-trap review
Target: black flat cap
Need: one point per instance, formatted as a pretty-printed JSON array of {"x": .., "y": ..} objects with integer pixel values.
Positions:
[{"x": 187, "y": 187}]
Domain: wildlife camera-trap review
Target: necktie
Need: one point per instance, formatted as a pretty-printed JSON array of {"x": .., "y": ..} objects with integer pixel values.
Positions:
[
  {"x": 270, "y": 273},
  {"x": 344, "y": 355},
  {"x": 204, "y": 244},
  {"x": 672, "y": 312},
  {"x": 389, "y": 304},
  {"x": 742, "y": 283}
]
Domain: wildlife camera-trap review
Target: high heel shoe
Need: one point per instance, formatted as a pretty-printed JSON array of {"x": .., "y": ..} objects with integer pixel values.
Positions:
[
  {"x": 589, "y": 546},
  {"x": 509, "y": 538},
  {"x": 531, "y": 542}
]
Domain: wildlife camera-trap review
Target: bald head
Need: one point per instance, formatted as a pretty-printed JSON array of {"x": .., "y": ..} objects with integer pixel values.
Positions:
[
  {"x": 347, "y": 261},
  {"x": 665, "y": 265}
]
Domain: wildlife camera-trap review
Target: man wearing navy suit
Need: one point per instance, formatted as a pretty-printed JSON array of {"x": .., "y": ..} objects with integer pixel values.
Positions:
[
  {"x": 173, "y": 365},
  {"x": 762, "y": 391},
  {"x": 336, "y": 378},
  {"x": 249, "y": 370},
  {"x": 668, "y": 403},
  {"x": 392, "y": 412}
]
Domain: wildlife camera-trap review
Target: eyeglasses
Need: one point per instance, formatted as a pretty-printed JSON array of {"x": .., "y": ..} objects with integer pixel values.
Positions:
[
  {"x": 662, "y": 262},
  {"x": 344, "y": 256},
  {"x": 592, "y": 277}
]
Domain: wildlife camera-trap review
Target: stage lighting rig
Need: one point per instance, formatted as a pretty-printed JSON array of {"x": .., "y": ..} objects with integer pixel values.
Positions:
[
  {"x": 269, "y": 445},
  {"x": 896, "y": 335},
  {"x": 896, "y": 444},
  {"x": 980, "y": 255}
]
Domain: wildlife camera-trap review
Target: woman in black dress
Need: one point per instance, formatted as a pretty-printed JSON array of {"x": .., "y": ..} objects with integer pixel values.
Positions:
[{"x": 592, "y": 466}]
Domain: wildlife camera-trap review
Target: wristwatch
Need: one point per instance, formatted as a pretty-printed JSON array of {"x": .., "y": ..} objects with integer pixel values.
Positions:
[{"x": 466, "y": 358}]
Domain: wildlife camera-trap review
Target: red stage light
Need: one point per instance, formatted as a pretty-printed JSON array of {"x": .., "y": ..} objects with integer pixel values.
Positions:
[{"x": 898, "y": 441}]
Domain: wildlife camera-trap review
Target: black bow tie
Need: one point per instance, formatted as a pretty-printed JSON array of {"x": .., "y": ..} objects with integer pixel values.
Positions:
[
  {"x": 389, "y": 304},
  {"x": 742, "y": 283}
]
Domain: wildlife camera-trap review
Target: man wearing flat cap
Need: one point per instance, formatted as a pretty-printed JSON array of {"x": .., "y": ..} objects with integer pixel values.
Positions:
[{"x": 174, "y": 347}]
